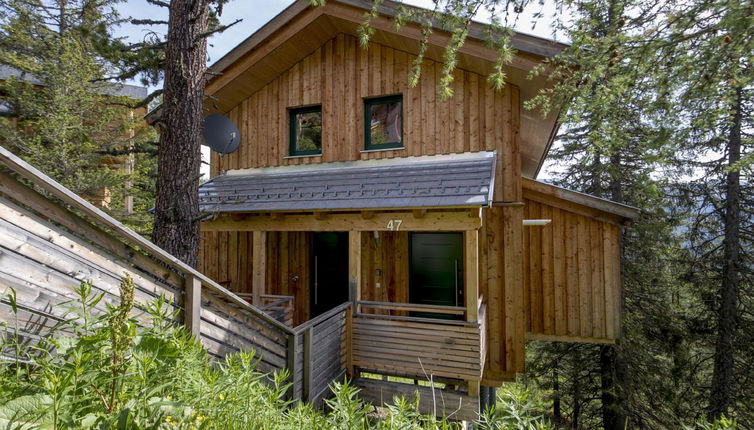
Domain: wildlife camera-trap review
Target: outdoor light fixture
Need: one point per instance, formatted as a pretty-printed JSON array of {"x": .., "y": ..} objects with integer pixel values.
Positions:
[{"x": 536, "y": 222}]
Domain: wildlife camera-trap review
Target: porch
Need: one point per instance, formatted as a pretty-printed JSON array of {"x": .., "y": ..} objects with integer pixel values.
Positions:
[
  {"x": 441, "y": 344},
  {"x": 376, "y": 260}
]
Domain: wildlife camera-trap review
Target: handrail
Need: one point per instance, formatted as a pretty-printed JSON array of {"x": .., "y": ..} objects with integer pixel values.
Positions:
[
  {"x": 437, "y": 321},
  {"x": 453, "y": 310},
  {"x": 43, "y": 181},
  {"x": 320, "y": 318}
]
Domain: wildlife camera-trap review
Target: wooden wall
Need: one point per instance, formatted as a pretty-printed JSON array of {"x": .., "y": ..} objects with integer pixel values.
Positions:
[
  {"x": 572, "y": 274},
  {"x": 225, "y": 257},
  {"x": 288, "y": 269},
  {"x": 338, "y": 76},
  {"x": 389, "y": 255}
]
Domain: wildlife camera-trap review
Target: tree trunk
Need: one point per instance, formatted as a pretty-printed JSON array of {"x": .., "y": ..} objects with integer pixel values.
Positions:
[
  {"x": 176, "y": 226},
  {"x": 613, "y": 366},
  {"x": 721, "y": 395},
  {"x": 556, "y": 412}
]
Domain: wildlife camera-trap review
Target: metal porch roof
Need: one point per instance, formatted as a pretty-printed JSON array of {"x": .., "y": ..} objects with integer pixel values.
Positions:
[{"x": 455, "y": 180}]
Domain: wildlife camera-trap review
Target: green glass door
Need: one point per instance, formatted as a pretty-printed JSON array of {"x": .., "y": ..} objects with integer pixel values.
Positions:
[
  {"x": 329, "y": 271},
  {"x": 436, "y": 269}
]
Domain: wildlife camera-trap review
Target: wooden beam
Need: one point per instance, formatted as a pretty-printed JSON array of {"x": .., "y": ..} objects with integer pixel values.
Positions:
[
  {"x": 259, "y": 265},
  {"x": 354, "y": 266},
  {"x": 193, "y": 305},
  {"x": 381, "y": 221},
  {"x": 419, "y": 213},
  {"x": 276, "y": 215},
  {"x": 471, "y": 274},
  {"x": 349, "y": 342},
  {"x": 367, "y": 214},
  {"x": 319, "y": 215}
]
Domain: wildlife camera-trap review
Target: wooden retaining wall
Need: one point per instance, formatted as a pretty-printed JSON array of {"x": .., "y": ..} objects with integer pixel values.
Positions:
[
  {"x": 50, "y": 243},
  {"x": 44, "y": 255}
]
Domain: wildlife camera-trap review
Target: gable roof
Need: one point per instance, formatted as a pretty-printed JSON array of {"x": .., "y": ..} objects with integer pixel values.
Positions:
[
  {"x": 302, "y": 28},
  {"x": 454, "y": 180}
]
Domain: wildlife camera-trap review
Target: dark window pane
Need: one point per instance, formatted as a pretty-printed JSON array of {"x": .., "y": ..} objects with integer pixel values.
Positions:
[
  {"x": 306, "y": 130},
  {"x": 386, "y": 123}
]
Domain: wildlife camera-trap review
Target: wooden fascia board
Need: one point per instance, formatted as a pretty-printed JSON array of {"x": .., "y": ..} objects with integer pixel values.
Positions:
[
  {"x": 440, "y": 38},
  {"x": 581, "y": 203},
  {"x": 261, "y": 44},
  {"x": 351, "y": 221},
  {"x": 301, "y": 13},
  {"x": 522, "y": 42}
]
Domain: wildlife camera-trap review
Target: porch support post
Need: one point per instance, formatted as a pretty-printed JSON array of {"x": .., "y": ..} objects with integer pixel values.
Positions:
[
  {"x": 259, "y": 265},
  {"x": 471, "y": 272},
  {"x": 354, "y": 265}
]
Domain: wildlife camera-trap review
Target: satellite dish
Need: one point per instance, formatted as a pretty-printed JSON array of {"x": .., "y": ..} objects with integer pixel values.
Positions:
[{"x": 220, "y": 134}]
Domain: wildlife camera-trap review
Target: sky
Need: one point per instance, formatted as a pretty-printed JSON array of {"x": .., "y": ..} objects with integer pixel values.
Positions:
[{"x": 255, "y": 13}]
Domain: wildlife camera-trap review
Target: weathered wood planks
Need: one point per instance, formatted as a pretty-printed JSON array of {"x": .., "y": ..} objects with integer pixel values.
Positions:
[
  {"x": 450, "y": 351},
  {"x": 573, "y": 276}
]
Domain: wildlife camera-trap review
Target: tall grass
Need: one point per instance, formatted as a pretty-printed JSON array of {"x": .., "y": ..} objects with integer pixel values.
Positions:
[
  {"x": 102, "y": 371},
  {"x": 99, "y": 370}
]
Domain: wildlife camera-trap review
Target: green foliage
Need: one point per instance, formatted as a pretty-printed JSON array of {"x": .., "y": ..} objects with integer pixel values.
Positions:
[
  {"x": 97, "y": 371},
  {"x": 517, "y": 408},
  {"x": 65, "y": 119}
]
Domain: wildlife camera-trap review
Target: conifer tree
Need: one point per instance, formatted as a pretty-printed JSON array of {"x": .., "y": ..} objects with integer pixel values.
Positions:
[{"x": 65, "y": 117}]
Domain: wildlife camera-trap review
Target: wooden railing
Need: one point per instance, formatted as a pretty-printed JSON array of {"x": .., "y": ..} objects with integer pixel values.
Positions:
[
  {"x": 279, "y": 307},
  {"x": 317, "y": 353},
  {"x": 408, "y": 345}
]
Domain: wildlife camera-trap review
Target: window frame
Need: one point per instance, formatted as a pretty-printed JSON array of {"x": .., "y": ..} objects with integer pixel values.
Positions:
[
  {"x": 368, "y": 103},
  {"x": 293, "y": 128}
]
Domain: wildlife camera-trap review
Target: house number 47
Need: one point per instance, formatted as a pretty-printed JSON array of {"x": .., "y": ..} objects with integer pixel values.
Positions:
[{"x": 394, "y": 224}]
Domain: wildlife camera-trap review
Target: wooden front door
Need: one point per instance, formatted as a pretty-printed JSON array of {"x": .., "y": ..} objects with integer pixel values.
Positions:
[
  {"x": 436, "y": 269},
  {"x": 329, "y": 271}
]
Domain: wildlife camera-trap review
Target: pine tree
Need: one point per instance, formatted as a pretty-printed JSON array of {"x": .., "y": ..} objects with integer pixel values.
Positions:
[
  {"x": 66, "y": 119},
  {"x": 176, "y": 225}
]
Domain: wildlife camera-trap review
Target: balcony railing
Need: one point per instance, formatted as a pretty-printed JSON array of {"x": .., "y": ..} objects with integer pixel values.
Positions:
[{"x": 387, "y": 337}]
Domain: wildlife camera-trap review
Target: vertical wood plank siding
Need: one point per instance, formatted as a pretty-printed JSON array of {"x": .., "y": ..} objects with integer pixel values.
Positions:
[
  {"x": 572, "y": 274},
  {"x": 339, "y": 75}
]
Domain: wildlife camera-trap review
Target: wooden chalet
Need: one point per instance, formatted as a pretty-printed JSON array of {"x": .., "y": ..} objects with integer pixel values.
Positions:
[
  {"x": 363, "y": 228},
  {"x": 416, "y": 224}
]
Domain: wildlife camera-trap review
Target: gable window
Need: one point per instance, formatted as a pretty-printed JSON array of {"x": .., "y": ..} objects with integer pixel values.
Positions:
[
  {"x": 383, "y": 123},
  {"x": 306, "y": 130}
]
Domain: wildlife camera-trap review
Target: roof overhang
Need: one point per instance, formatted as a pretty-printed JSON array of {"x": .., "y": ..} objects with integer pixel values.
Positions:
[
  {"x": 440, "y": 181},
  {"x": 581, "y": 203},
  {"x": 302, "y": 28}
]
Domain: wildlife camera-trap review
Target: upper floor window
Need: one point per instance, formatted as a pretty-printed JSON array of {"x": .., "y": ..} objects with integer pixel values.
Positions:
[
  {"x": 306, "y": 130},
  {"x": 383, "y": 123}
]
